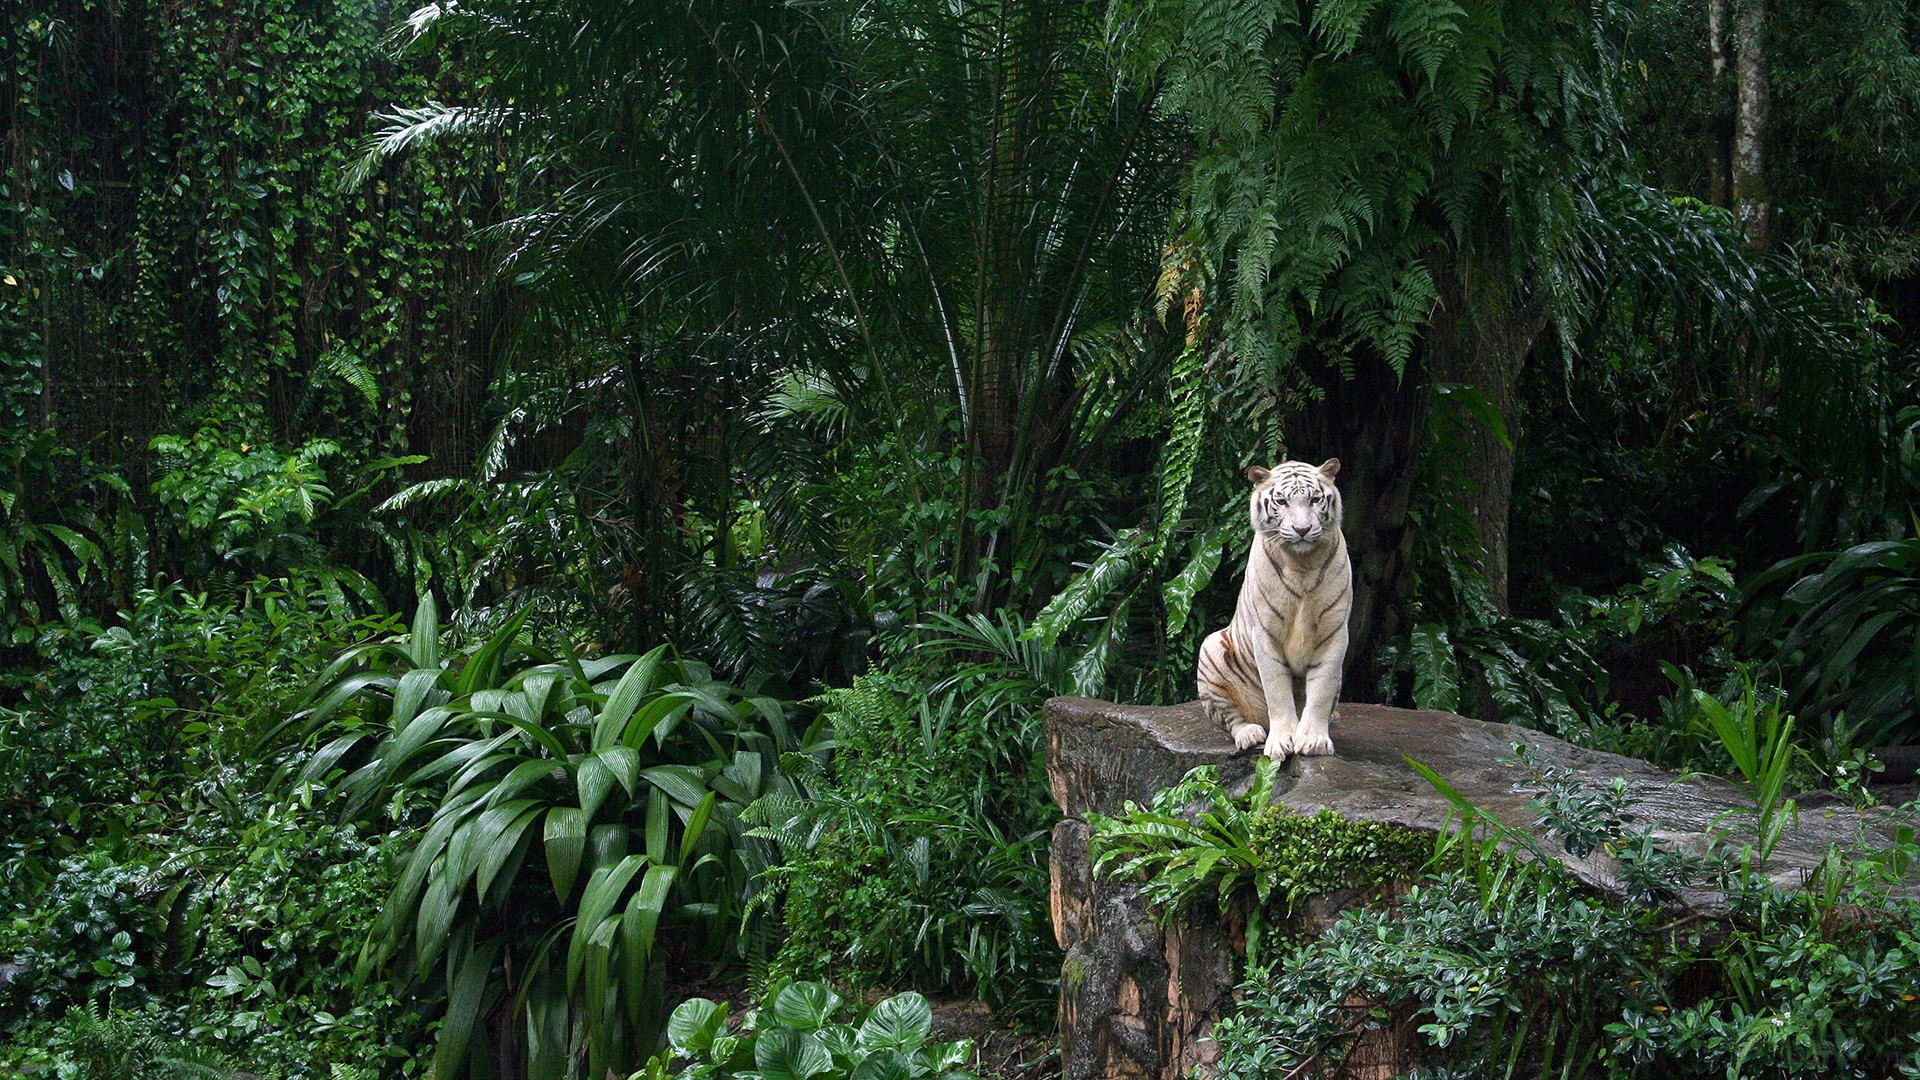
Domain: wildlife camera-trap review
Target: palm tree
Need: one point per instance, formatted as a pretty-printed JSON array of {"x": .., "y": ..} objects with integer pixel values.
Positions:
[{"x": 931, "y": 212}]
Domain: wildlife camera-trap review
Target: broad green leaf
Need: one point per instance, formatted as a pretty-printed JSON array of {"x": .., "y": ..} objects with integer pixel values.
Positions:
[
  {"x": 1180, "y": 590},
  {"x": 948, "y": 1055},
  {"x": 694, "y": 1024},
  {"x": 594, "y": 780},
  {"x": 840, "y": 1040},
  {"x": 469, "y": 761},
  {"x": 482, "y": 670},
  {"x": 884, "y": 1064},
  {"x": 395, "y": 751},
  {"x": 434, "y": 921},
  {"x": 513, "y": 836},
  {"x": 806, "y": 1005},
  {"x": 659, "y": 821},
  {"x": 591, "y": 670},
  {"x": 624, "y": 763},
  {"x": 599, "y": 1000},
  {"x": 740, "y": 780},
  {"x": 347, "y": 689},
  {"x": 1436, "y": 672},
  {"x": 536, "y": 694},
  {"x": 637, "y": 928},
  {"x": 1112, "y": 567},
  {"x": 696, "y": 827},
  {"x": 785, "y": 1054},
  {"x": 423, "y": 643},
  {"x": 606, "y": 844},
  {"x": 538, "y": 733},
  {"x": 410, "y": 694},
  {"x": 653, "y": 716},
  {"x": 525, "y": 775},
  {"x": 324, "y": 759},
  {"x": 1088, "y": 675},
  {"x": 684, "y": 783}
]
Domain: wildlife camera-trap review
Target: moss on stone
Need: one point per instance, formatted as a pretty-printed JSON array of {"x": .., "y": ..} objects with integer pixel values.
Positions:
[{"x": 1304, "y": 855}]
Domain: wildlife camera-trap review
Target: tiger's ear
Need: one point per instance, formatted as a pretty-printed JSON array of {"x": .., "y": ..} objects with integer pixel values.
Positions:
[
  {"x": 1330, "y": 468},
  {"x": 1258, "y": 474}
]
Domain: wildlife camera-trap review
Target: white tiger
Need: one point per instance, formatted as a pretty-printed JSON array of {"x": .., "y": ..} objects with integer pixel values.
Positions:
[{"x": 1291, "y": 622}]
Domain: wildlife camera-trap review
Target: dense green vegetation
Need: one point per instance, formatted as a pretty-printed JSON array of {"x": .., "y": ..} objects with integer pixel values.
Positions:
[{"x": 521, "y": 516}]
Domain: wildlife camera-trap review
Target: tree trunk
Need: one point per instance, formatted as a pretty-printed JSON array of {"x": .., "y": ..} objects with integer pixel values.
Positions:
[
  {"x": 1373, "y": 423},
  {"x": 1479, "y": 339},
  {"x": 1719, "y": 120},
  {"x": 1750, "y": 126}
]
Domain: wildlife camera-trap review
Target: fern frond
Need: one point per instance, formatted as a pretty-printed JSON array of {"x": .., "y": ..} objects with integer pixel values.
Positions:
[
  {"x": 1095, "y": 583},
  {"x": 433, "y": 122},
  {"x": 424, "y": 490}
]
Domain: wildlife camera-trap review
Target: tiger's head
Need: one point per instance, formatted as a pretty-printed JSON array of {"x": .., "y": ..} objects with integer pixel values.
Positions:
[{"x": 1295, "y": 504}]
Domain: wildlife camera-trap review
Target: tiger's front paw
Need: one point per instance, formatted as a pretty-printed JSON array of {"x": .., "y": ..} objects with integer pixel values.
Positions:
[
  {"x": 1279, "y": 744},
  {"x": 1312, "y": 744},
  {"x": 1248, "y": 736}
]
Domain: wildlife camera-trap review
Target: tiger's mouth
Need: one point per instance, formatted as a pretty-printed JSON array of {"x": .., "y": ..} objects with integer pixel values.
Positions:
[{"x": 1297, "y": 541}]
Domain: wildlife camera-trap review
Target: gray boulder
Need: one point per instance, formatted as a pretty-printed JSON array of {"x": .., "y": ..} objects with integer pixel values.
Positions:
[{"x": 1139, "y": 1000}]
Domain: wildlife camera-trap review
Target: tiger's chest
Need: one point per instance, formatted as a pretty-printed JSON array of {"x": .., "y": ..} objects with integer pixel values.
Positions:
[{"x": 1289, "y": 605}]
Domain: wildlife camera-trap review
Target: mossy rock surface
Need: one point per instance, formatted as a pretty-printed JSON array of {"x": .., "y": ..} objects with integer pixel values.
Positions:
[{"x": 1101, "y": 754}]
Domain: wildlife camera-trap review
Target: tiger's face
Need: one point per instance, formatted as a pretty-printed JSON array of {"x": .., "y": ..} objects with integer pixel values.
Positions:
[{"x": 1295, "y": 504}]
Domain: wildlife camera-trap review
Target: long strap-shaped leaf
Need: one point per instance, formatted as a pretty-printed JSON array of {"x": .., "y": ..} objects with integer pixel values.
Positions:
[
  {"x": 604, "y": 890},
  {"x": 627, "y": 695},
  {"x": 423, "y": 644},
  {"x": 637, "y": 930},
  {"x": 564, "y": 839},
  {"x": 483, "y": 667},
  {"x": 466, "y": 992},
  {"x": 655, "y": 716}
]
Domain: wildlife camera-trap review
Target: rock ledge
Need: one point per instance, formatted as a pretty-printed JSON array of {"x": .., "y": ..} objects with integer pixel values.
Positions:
[{"x": 1138, "y": 1000}]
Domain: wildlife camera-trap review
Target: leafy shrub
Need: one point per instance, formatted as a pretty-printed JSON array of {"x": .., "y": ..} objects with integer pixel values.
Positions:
[
  {"x": 232, "y": 930},
  {"x": 115, "y": 724},
  {"x": 1844, "y": 635},
  {"x": 97, "y": 1044},
  {"x": 1505, "y": 965},
  {"x": 921, "y": 857},
  {"x": 96, "y": 929},
  {"x": 796, "y": 1035},
  {"x": 255, "y": 510},
  {"x": 266, "y": 914},
  {"x": 531, "y": 774},
  {"x": 1551, "y": 674}
]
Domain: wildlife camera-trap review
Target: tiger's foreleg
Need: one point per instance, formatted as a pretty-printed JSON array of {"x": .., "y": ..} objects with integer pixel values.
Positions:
[
  {"x": 1282, "y": 714},
  {"x": 1322, "y": 691}
]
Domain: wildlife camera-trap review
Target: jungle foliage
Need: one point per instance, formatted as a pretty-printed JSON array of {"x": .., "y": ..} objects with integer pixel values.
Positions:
[{"x": 517, "y": 515}]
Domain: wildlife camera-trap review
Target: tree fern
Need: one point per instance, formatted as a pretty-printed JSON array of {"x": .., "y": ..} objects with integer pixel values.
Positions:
[{"x": 1365, "y": 137}]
